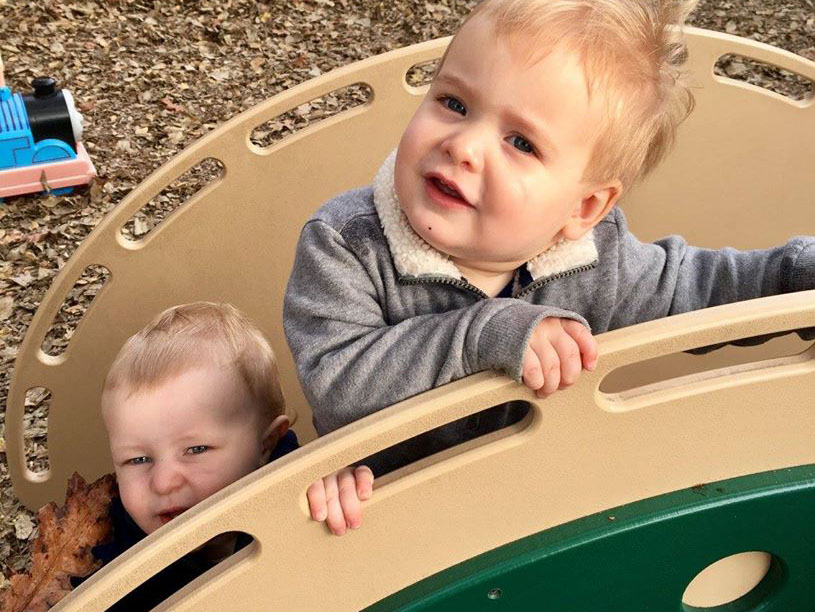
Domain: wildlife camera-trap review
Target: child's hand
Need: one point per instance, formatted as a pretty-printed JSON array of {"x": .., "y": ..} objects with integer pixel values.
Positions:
[
  {"x": 336, "y": 498},
  {"x": 557, "y": 352}
]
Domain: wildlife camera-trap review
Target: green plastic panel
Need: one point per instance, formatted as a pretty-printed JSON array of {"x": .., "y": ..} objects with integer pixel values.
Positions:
[{"x": 642, "y": 556}]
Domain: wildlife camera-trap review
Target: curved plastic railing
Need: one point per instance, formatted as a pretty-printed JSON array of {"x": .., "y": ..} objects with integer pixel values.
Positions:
[{"x": 576, "y": 454}]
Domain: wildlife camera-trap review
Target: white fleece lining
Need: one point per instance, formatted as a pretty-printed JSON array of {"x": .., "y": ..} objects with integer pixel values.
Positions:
[{"x": 412, "y": 256}]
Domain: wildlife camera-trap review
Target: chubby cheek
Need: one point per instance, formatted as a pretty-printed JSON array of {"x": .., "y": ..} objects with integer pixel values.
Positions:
[
  {"x": 135, "y": 498},
  {"x": 402, "y": 176},
  {"x": 509, "y": 209},
  {"x": 416, "y": 143},
  {"x": 207, "y": 480}
]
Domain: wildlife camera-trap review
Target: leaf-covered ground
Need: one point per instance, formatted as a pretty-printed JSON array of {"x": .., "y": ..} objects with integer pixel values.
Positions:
[{"x": 152, "y": 77}]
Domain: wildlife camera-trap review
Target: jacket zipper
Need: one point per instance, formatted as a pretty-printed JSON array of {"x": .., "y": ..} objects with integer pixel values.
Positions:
[
  {"x": 446, "y": 280},
  {"x": 535, "y": 285}
]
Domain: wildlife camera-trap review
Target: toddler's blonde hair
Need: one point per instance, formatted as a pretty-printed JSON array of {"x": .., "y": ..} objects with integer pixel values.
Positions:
[
  {"x": 630, "y": 51},
  {"x": 190, "y": 335}
]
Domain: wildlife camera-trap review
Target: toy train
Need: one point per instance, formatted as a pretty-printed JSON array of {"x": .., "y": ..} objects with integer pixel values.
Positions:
[{"x": 40, "y": 147}]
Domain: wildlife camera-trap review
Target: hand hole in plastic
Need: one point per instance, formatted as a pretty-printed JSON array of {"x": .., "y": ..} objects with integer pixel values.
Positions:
[
  {"x": 73, "y": 308},
  {"x": 420, "y": 75},
  {"x": 35, "y": 431},
  {"x": 630, "y": 385},
  {"x": 171, "y": 198},
  {"x": 310, "y": 113},
  {"x": 737, "y": 583},
  {"x": 767, "y": 76}
]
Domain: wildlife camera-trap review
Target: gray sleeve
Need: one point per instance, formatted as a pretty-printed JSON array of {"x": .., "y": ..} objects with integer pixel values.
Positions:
[
  {"x": 669, "y": 277},
  {"x": 352, "y": 362}
]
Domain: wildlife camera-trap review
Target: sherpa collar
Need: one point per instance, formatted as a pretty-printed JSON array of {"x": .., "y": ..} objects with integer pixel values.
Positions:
[{"x": 415, "y": 257}]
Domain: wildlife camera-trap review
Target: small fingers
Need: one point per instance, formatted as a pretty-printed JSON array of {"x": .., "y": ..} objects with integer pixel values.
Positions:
[
  {"x": 316, "y": 500},
  {"x": 531, "y": 371},
  {"x": 365, "y": 482},
  {"x": 335, "y": 519},
  {"x": 569, "y": 354},
  {"x": 586, "y": 342},
  {"x": 336, "y": 498},
  {"x": 351, "y": 510},
  {"x": 550, "y": 362}
]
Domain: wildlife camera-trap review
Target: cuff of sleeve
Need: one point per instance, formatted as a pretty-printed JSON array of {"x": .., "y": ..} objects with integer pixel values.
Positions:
[
  {"x": 504, "y": 338},
  {"x": 801, "y": 272}
]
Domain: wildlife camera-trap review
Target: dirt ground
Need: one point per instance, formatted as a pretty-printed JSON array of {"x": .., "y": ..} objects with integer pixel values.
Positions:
[{"x": 152, "y": 77}]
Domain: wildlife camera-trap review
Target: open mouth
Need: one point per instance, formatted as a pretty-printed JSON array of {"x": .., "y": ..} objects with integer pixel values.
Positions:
[
  {"x": 168, "y": 515},
  {"x": 445, "y": 188},
  {"x": 446, "y": 191}
]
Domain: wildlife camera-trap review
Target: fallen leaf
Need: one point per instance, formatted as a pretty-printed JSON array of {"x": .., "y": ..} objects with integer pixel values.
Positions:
[
  {"x": 23, "y": 527},
  {"x": 140, "y": 227},
  {"x": 24, "y": 279},
  {"x": 36, "y": 237},
  {"x": 220, "y": 75},
  {"x": 176, "y": 108},
  {"x": 63, "y": 547},
  {"x": 6, "y": 307}
]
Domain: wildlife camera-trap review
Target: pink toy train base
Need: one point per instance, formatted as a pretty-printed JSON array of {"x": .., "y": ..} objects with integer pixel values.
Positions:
[{"x": 48, "y": 176}]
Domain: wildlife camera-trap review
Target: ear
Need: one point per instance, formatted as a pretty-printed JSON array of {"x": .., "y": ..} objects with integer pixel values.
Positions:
[
  {"x": 591, "y": 209},
  {"x": 271, "y": 436}
]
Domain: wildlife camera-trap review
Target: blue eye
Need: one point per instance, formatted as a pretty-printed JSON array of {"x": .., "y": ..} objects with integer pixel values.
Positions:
[
  {"x": 197, "y": 450},
  {"x": 522, "y": 144},
  {"x": 454, "y": 105},
  {"x": 138, "y": 460}
]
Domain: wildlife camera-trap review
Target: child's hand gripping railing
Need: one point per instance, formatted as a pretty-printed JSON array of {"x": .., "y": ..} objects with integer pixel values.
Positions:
[
  {"x": 743, "y": 165},
  {"x": 579, "y": 452}
]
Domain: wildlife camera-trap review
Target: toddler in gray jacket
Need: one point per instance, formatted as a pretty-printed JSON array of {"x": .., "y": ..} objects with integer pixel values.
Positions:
[{"x": 490, "y": 239}]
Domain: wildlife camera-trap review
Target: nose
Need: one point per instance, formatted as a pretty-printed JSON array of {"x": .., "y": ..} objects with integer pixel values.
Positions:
[
  {"x": 466, "y": 147},
  {"x": 167, "y": 477}
]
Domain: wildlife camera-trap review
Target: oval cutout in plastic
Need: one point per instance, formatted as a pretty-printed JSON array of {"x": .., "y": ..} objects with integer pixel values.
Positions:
[
  {"x": 728, "y": 580},
  {"x": 73, "y": 308},
  {"x": 634, "y": 379},
  {"x": 171, "y": 198},
  {"x": 198, "y": 567},
  {"x": 310, "y": 113},
  {"x": 767, "y": 76},
  {"x": 452, "y": 439},
  {"x": 35, "y": 430},
  {"x": 420, "y": 75}
]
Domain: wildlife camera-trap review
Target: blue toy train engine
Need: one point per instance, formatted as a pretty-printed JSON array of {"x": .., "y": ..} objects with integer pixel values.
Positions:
[
  {"x": 41, "y": 140},
  {"x": 38, "y": 127}
]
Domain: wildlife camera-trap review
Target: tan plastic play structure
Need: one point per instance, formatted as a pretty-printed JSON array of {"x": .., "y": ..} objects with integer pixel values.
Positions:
[{"x": 645, "y": 423}]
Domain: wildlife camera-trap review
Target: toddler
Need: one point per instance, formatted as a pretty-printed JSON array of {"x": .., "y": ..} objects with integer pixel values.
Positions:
[
  {"x": 191, "y": 404},
  {"x": 490, "y": 238}
]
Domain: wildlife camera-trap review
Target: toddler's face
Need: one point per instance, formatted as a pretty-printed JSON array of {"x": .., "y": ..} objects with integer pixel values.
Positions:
[
  {"x": 178, "y": 443},
  {"x": 489, "y": 170}
]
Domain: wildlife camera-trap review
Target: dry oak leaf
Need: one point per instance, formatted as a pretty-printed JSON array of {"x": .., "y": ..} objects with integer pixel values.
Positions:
[{"x": 63, "y": 547}]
